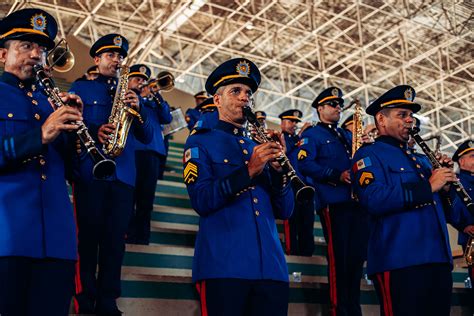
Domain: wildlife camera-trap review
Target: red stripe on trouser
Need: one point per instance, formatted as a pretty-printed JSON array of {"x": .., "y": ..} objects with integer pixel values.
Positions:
[
  {"x": 286, "y": 224},
  {"x": 201, "y": 288},
  {"x": 384, "y": 282},
  {"x": 331, "y": 264},
  {"x": 77, "y": 277}
]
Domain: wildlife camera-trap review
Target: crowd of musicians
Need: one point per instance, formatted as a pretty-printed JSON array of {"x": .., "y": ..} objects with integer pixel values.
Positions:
[{"x": 383, "y": 203}]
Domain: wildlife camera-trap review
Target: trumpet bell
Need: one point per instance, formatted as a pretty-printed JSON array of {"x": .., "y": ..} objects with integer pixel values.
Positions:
[
  {"x": 165, "y": 81},
  {"x": 60, "y": 58}
]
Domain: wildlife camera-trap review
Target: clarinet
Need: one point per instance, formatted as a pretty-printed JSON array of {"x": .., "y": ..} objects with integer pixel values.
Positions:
[
  {"x": 103, "y": 167},
  {"x": 304, "y": 193},
  {"x": 457, "y": 185}
]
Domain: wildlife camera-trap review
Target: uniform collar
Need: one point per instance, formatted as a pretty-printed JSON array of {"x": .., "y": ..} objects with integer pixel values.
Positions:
[
  {"x": 391, "y": 141},
  {"x": 107, "y": 79},
  {"x": 13, "y": 80},
  {"x": 230, "y": 128},
  {"x": 328, "y": 126},
  {"x": 466, "y": 173}
]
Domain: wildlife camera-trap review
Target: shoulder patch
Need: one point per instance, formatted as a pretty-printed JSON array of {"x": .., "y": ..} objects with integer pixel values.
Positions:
[
  {"x": 366, "y": 178},
  {"x": 303, "y": 141},
  {"x": 190, "y": 173},
  {"x": 361, "y": 164},
  {"x": 302, "y": 154},
  {"x": 191, "y": 153}
]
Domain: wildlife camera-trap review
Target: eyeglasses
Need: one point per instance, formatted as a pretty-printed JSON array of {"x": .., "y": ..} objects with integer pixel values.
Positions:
[{"x": 334, "y": 104}]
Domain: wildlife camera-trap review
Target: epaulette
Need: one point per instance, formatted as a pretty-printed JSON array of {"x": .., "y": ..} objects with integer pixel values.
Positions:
[{"x": 199, "y": 130}]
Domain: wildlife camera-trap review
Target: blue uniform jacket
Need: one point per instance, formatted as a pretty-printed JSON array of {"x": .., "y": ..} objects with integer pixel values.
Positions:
[
  {"x": 322, "y": 157},
  {"x": 158, "y": 113},
  {"x": 192, "y": 116},
  {"x": 467, "y": 180},
  {"x": 237, "y": 235},
  {"x": 36, "y": 214},
  {"x": 97, "y": 96},
  {"x": 407, "y": 223},
  {"x": 292, "y": 149},
  {"x": 207, "y": 120}
]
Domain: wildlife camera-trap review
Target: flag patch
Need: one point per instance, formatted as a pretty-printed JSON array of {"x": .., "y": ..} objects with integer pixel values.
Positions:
[
  {"x": 361, "y": 164},
  {"x": 190, "y": 153},
  {"x": 303, "y": 141}
]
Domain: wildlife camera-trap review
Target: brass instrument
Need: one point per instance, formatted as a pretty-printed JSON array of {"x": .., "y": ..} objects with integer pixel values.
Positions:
[
  {"x": 469, "y": 251},
  {"x": 304, "y": 193},
  {"x": 121, "y": 116},
  {"x": 165, "y": 81},
  {"x": 358, "y": 130},
  {"x": 103, "y": 167},
  {"x": 60, "y": 57}
]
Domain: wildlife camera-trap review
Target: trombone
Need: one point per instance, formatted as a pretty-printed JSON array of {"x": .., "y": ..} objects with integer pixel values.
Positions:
[{"x": 60, "y": 57}]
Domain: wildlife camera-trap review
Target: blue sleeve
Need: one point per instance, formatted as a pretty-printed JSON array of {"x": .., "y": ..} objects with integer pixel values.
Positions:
[
  {"x": 143, "y": 131},
  {"x": 15, "y": 149},
  {"x": 308, "y": 166},
  {"x": 163, "y": 110},
  {"x": 379, "y": 195},
  {"x": 458, "y": 215},
  {"x": 208, "y": 192},
  {"x": 282, "y": 196}
]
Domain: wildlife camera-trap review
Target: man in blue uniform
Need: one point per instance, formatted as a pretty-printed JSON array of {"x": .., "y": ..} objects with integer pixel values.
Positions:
[
  {"x": 192, "y": 114},
  {"x": 348, "y": 124},
  {"x": 464, "y": 156},
  {"x": 209, "y": 115},
  {"x": 325, "y": 159},
  {"x": 104, "y": 207},
  {"x": 237, "y": 189},
  {"x": 147, "y": 156},
  {"x": 37, "y": 229},
  {"x": 299, "y": 238},
  {"x": 409, "y": 257}
]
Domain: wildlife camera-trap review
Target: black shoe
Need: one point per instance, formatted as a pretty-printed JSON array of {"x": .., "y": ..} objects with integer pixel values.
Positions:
[
  {"x": 108, "y": 308},
  {"x": 86, "y": 304}
]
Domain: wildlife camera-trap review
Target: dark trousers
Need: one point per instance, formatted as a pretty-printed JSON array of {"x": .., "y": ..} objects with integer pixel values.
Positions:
[
  {"x": 470, "y": 272},
  {"x": 35, "y": 286},
  {"x": 148, "y": 169},
  {"x": 103, "y": 210},
  {"x": 239, "y": 297},
  {"x": 162, "y": 164},
  {"x": 301, "y": 230},
  {"x": 345, "y": 229},
  {"x": 422, "y": 290}
]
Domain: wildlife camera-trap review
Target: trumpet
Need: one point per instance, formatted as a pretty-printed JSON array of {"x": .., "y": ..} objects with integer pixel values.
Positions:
[
  {"x": 304, "y": 193},
  {"x": 103, "y": 167}
]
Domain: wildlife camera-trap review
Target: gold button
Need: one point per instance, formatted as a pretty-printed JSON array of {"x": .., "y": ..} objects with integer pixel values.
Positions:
[
  {"x": 246, "y": 162},
  {"x": 37, "y": 116},
  {"x": 43, "y": 176},
  {"x": 418, "y": 166},
  {"x": 226, "y": 161},
  {"x": 42, "y": 162},
  {"x": 255, "y": 200},
  {"x": 241, "y": 141},
  {"x": 414, "y": 159},
  {"x": 257, "y": 213},
  {"x": 10, "y": 114},
  {"x": 422, "y": 175},
  {"x": 402, "y": 169},
  {"x": 245, "y": 151},
  {"x": 34, "y": 102},
  {"x": 29, "y": 94}
]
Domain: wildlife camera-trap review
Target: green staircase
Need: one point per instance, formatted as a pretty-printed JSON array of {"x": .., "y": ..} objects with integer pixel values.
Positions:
[{"x": 156, "y": 279}]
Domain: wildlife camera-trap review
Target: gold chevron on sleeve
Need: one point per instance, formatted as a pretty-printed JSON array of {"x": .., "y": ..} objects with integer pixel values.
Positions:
[
  {"x": 190, "y": 173},
  {"x": 302, "y": 154},
  {"x": 366, "y": 178}
]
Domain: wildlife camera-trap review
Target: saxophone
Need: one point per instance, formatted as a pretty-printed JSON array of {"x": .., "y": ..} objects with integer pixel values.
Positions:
[
  {"x": 121, "y": 116},
  {"x": 358, "y": 130}
]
